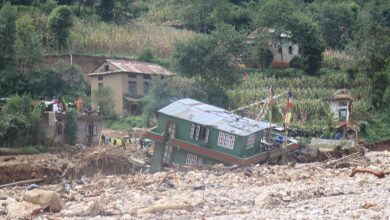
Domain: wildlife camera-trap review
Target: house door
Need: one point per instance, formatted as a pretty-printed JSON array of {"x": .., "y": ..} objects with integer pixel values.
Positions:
[{"x": 168, "y": 148}]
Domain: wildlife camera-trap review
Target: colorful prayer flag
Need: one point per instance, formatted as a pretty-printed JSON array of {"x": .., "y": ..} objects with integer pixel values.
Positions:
[{"x": 289, "y": 107}]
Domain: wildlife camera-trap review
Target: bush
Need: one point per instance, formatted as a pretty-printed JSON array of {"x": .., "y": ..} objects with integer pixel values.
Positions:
[{"x": 71, "y": 127}]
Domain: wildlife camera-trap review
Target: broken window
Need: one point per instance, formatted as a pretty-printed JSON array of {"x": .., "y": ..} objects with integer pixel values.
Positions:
[
  {"x": 193, "y": 159},
  {"x": 251, "y": 141},
  {"x": 199, "y": 133},
  {"x": 91, "y": 130},
  {"x": 192, "y": 131},
  {"x": 226, "y": 140}
]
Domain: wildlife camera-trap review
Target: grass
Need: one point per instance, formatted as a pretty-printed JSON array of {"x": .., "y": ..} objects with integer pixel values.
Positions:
[
  {"x": 377, "y": 129},
  {"x": 124, "y": 123}
]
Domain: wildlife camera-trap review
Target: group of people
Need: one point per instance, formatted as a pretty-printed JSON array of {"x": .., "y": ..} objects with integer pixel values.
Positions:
[
  {"x": 58, "y": 105},
  {"x": 123, "y": 142}
]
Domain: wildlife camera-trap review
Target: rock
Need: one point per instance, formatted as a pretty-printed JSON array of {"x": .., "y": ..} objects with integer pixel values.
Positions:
[
  {"x": 44, "y": 198},
  {"x": 18, "y": 210},
  {"x": 92, "y": 208},
  {"x": 266, "y": 200}
]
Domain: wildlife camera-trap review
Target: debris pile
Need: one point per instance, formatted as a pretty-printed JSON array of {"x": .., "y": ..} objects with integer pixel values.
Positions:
[{"x": 293, "y": 191}]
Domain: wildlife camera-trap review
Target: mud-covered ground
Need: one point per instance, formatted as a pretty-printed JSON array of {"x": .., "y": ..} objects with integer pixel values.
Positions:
[{"x": 320, "y": 190}]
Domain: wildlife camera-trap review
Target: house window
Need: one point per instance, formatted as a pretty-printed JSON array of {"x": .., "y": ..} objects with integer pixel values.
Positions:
[
  {"x": 146, "y": 87},
  {"x": 147, "y": 76},
  {"x": 226, "y": 140},
  {"x": 100, "y": 77},
  {"x": 251, "y": 141},
  {"x": 280, "y": 50},
  {"x": 290, "y": 49},
  {"x": 100, "y": 85},
  {"x": 91, "y": 130},
  {"x": 106, "y": 67},
  {"x": 343, "y": 114},
  {"x": 193, "y": 159},
  {"x": 199, "y": 133},
  {"x": 342, "y": 103},
  {"x": 162, "y": 77},
  {"x": 133, "y": 88},
  {"x": 132, "y": 75}
]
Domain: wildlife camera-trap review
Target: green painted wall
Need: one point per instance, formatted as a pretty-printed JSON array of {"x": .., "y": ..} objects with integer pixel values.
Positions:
[
  {"x": 183, "y": 129},
  {"x": 156, "y": 164}
]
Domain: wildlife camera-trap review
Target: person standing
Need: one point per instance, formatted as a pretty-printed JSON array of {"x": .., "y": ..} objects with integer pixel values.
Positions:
[{"x": 79, "y": 104}]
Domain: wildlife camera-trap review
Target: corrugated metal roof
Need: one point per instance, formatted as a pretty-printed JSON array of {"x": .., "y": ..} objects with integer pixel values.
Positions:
[
  {"x": 136, "y": 67},
  {"x": 139, "y": 67},
  {"x": 204, "y": 114}
]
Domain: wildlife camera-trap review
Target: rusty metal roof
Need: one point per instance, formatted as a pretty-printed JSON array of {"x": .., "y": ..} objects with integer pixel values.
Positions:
[
  {"x": 208, "y": 115},
  {"x": 129, "y": 66},
  {"x": 340, "y": 94}
]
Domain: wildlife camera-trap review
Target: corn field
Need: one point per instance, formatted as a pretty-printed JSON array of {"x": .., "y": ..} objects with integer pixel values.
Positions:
[
  {"x": 130, "y": 40},
  {"x": 309, "y": 93}
]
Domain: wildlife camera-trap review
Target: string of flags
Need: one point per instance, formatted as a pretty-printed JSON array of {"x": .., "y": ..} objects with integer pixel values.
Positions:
[{"x": 267, "y": 106}]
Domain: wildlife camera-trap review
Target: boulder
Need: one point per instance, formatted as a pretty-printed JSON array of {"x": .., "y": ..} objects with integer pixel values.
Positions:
[
  {"x": 44, "y": 198},
  {"x": 20, "y": 210},
  {"x": 266, "y": 200}
]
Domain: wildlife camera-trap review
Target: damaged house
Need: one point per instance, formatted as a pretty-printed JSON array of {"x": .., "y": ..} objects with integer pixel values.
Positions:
[
  {"x": 89, "y": 128},
  {"x": 193, "y": 133}
]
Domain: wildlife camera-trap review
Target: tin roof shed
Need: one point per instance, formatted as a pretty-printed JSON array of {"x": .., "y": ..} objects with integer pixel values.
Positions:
[{"x": 221, "y": 119}]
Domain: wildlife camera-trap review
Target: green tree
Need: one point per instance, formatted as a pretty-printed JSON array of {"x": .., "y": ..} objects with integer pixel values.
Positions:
[
  {"x": 73, "y": 81},
  {"x": 45, "y": 82},
  {"x": 7, "y": 34},
  {"x": 379, "y": 84},
  {"x": 280, "y": 17},
  {"x": 159, "y": 95},
  {"x": 28, "y": 46},
  {"x": 305, "y": 32},
  {"x": 71, "y": 127},
  {"x": 336, "y": 21},
  {"x": 103, "y": 97},
  {"x": 211, "y": 58},
  {"x": 59, "y": 23},
  {"x": 19, "y": 122},
  {"x": 371, "y": 39},
  {"x": 105, "y": 9}
]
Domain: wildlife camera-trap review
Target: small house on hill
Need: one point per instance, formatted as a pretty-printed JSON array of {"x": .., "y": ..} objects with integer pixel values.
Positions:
[
  {"x": 191, "y": 132},
  {"x": 128, "y": 80},
  {"x": 340, "y": 104},
  {"x": 282, "y": 53}
]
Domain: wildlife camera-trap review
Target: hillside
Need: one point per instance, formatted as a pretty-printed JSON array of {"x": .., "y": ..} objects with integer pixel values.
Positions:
[{"x": 224, "y": 52}]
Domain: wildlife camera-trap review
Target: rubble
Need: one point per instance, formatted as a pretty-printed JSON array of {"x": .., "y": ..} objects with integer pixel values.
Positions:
[
  {"x": 18, "y": 210},
  {"x": 318, "y": 190},
  {"x": 44, "y": 198}
]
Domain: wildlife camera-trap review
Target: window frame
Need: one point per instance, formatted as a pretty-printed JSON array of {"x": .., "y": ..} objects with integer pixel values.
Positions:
[
  {"x": 130, "y": 86},
  {"x": 226, "y": 140}
]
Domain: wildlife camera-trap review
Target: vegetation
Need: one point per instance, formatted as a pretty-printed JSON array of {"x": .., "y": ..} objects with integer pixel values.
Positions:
[
  {"x": 103, "y": 98},
  {"x": 71, "y": 127},
  {"x": 342, "y": 44},
  {"x": 19, "y": 122}
]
